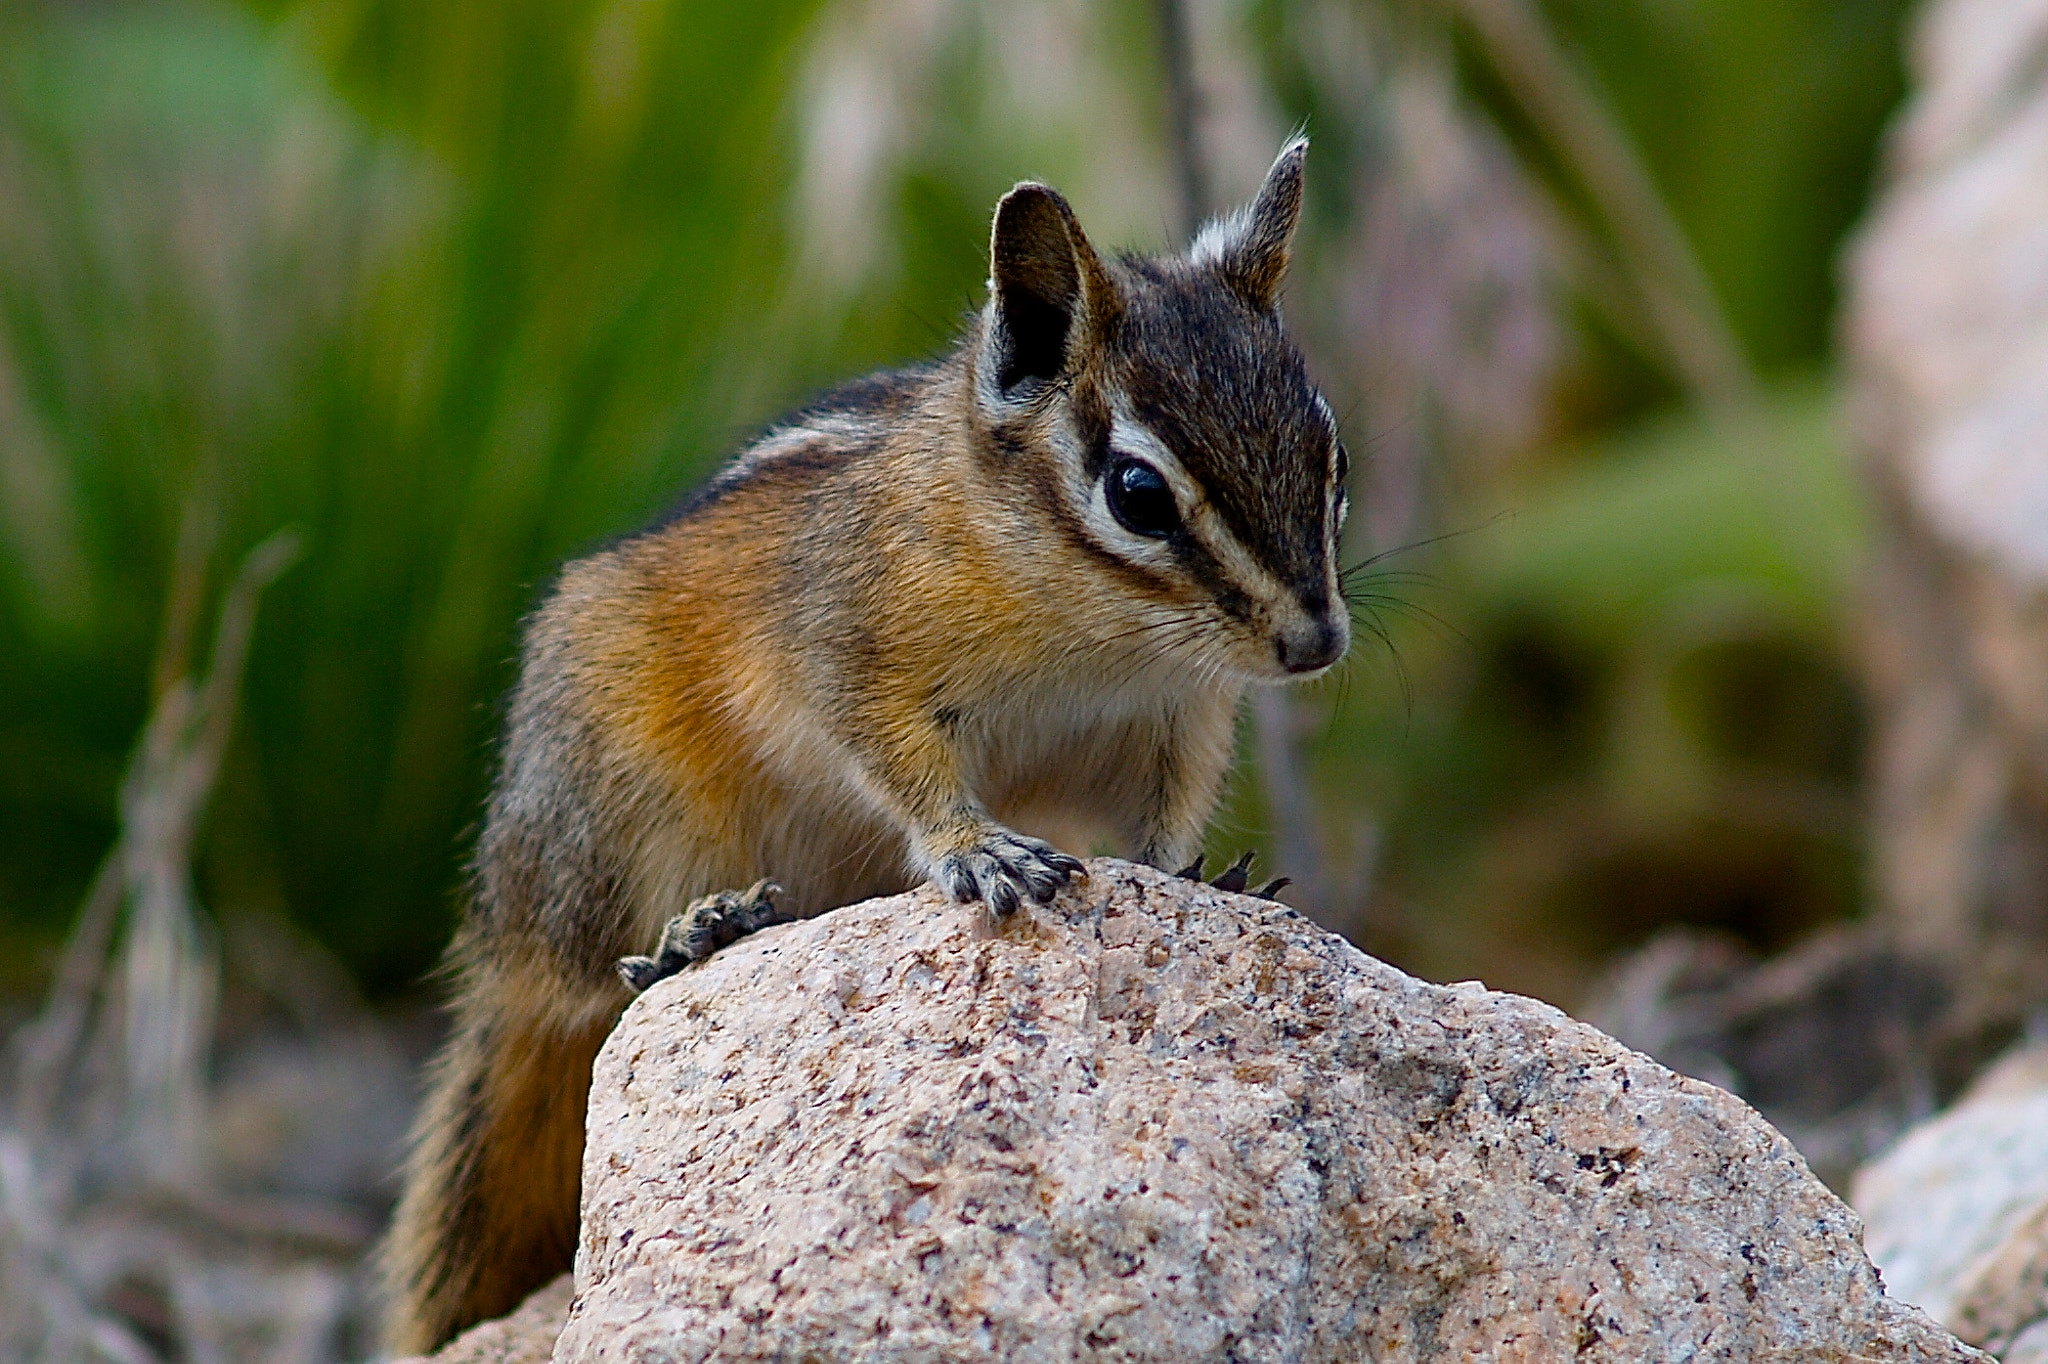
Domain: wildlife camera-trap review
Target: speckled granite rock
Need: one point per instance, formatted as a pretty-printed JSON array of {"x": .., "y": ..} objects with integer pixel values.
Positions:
[{"x": 1153, "y": 1121}]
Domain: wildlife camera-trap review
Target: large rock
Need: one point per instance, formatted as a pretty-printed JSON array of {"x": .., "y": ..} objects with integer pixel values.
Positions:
[{"x": 1154, "y": 1121}]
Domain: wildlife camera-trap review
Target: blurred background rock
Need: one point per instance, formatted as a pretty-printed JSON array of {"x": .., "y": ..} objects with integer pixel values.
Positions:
[{"x": 1672, "y": 703}]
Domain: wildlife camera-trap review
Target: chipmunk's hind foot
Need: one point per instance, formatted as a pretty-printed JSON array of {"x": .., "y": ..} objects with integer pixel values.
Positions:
[
  {"x": 1236, "y": 877},
  {"x": 709, "y": 923}
]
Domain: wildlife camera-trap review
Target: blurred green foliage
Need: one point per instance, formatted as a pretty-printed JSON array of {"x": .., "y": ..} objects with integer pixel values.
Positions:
[
  {"x": 462, "y": 289},
  {"x": 1759, "y": 122},
  {"x": 457, "y": 289}
]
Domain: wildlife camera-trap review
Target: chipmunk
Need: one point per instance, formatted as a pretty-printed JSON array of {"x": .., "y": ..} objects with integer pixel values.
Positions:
[{"x": 1028, "y": 581}]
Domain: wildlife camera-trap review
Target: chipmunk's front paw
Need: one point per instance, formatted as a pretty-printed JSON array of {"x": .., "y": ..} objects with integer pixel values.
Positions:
[
  {"x": 1002, "y": 868},
  {"x": 1235, "y": 877},
  {"x": 709, "y": 923}
]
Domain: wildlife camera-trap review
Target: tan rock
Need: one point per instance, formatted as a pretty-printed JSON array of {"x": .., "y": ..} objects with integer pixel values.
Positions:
[{"x": 1153, "y": 1121}]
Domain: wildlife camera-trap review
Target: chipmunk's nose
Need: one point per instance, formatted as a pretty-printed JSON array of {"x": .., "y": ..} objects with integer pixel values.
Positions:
[{"x": 1314, "y": 647}]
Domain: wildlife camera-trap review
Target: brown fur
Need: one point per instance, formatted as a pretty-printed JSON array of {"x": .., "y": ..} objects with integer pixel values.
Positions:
[
  {"x": 901, "y": 626},
  {"x": 496, "y": 1171}
]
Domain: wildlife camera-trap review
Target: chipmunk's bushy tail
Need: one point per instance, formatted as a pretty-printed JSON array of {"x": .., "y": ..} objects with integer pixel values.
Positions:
[{"x": 489, "y": 1211}]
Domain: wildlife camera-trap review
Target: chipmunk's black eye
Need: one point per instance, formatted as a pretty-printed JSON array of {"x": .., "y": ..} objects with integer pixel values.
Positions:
[{"x": 1140, "y": 499}]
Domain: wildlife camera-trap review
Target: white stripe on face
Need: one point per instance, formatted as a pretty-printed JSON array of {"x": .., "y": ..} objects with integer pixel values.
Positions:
[
  {"x": 1131, "y": 439},
  {"x": 1128, "y": 439}
]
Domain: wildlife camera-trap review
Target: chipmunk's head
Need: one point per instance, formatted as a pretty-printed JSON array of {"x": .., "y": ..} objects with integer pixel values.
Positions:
[{"x": 1169, "y": 430}]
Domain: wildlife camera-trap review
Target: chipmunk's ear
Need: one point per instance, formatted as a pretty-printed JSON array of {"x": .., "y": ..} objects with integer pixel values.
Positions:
[
  {"x": 1250, "y": 247},
  {"x": 1049, "y": 294}
]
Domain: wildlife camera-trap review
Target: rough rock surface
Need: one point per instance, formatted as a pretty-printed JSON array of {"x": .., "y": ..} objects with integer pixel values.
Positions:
[
  {"x": 1956, "y": 1213},
  {"x": 1702, "y": 1005},
  {"x": 1153, "y": 1121}
]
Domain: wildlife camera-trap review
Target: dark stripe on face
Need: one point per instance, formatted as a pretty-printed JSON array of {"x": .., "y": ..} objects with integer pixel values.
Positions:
[
  {"x": 1204, "y": 568},
  {"x": 1291, "y": 548},
  {"x": 1092, "y": 424},
  {"x": 1046, "y": 488},
  {"x": 1223, "y": 388},
  {"x": 1012, "y": 446}
]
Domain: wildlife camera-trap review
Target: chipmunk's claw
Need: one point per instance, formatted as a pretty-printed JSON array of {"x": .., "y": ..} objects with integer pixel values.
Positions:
[
  {"x": 1236, "y": 875},
  {"x": 1236, "y": 878},
  {"x": 709, "y": 923}
]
